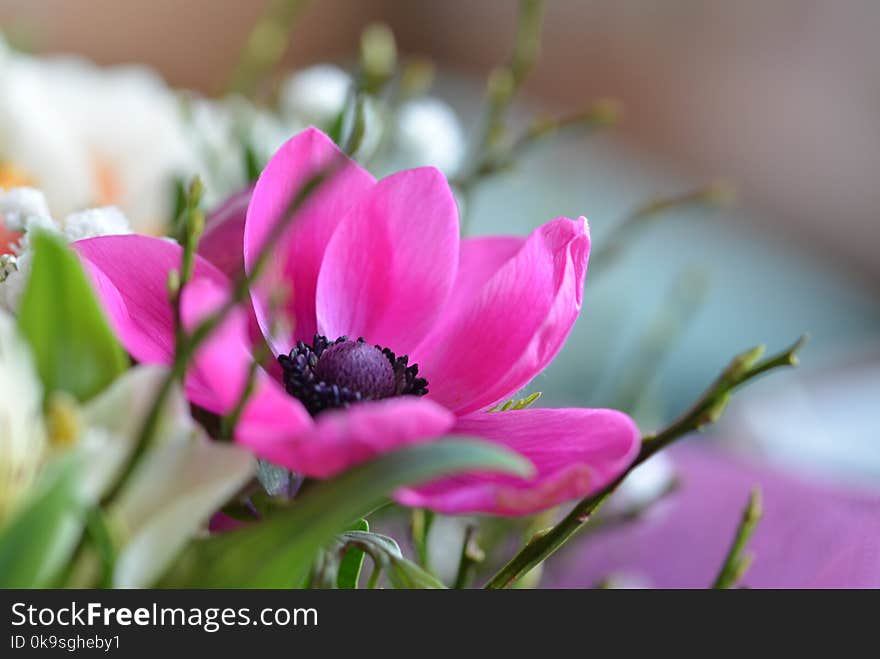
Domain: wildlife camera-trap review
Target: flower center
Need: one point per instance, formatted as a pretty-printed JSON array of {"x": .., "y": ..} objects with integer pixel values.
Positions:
[
  {"x": 326, "y": 375},
  {"x": 358, "y": 367}
]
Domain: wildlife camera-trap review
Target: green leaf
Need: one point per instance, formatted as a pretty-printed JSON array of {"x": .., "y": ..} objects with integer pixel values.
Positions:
[
  {"x": 74, "y": 348},
  {"x": 100, "y": 540},
  {"x": 39, "y": 541},
  {"x": 386, "y": 556},
  {"x": 520, "y": 404},
  {"x": 352, "y": 562},
  {"x": 278, "y": 552},
  {"x": 404, "y": 573}
]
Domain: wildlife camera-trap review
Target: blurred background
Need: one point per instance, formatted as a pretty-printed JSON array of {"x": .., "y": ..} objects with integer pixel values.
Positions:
[{"x": 781, "y": 97}]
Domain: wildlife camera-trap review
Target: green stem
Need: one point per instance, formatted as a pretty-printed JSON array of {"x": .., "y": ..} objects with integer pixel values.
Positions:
[
  {"x": 494, "y": 161},
  {"x": 192, "y": 227},
  {"x": 737, "y": 561},
  {"x": 265, "y": 46},
  {"x": 147, "y": 431},
  {"x": 188, "y": 347},
  {"x": 420, "y": 524},
  {"x": 503, "y": 86},
  {"x": 707, "y": 409},
  {"x": 471, "y": 554},
  {"x": 102, "y": 539},
  {"x": 505, "y": 83},
  {"x": 634, "y": 512},
  {"x": 664, "y": 331},
  {"x": 716, "y": 194},
  {"x": 230, "y": 421},
  {"x": 374, "y": 576}
]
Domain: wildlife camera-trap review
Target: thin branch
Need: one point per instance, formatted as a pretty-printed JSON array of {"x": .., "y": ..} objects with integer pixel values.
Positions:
[
  {"x": 265, "y": 46},
  {"x": 706, "y": 410},
  {"x": 184, "y": 352},
  {"x": 716, "y": 194},
  {"x": 492, "y": 161},
  {"x": 502, "y": 87},
  {"x": 471, "y": 555},
  {"x": 420, "y": 526},
  {"x": 664, "y": 331},
  {"x": 737, "y": 561}
]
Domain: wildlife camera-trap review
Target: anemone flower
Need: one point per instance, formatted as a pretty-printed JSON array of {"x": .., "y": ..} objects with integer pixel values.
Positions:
[{"x": 400, "y": 332}]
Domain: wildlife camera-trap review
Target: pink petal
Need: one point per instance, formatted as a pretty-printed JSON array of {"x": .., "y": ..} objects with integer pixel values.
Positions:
[
  {"x": 133, "y": 287},
  {"x": 500, "y": 330},
  {"x": 390, "y": 266},
  {"x": 294, "y": 264},
  {"x": 130, "y": 274},
  {"x": 482, "y": 257},
  {"x": 223, "y": 241},
  {"x": 271, "y": 418},
  {"x": 222, "y": 245},
  {"x": 343, "y": 438},
  {"x": 219, "y": 369},
  {"x": 576, "y": 452}
]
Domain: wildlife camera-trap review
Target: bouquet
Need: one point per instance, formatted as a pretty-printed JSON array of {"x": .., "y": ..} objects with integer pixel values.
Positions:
[{"x": 249, "y": 341}]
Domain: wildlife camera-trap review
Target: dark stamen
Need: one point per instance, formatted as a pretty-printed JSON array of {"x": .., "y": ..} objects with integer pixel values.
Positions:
[{"x": 327, "y": 374}]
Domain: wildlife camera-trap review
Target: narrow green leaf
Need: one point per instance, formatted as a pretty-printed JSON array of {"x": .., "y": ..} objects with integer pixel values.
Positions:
[
  {"x": 39, "y": 541},
  {"x": 278, "y": 552},
  {"x": 350, "y": 568},
  {"x": 386, "y": 555},
  {"x": 101, "y": 541},
  {"x": 74, "y": 348},
  {"x": 405, "y": 574}
]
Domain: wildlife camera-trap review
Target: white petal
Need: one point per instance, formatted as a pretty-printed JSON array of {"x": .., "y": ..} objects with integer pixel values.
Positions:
[
  {"x": 94, "y": 222},
  {"x": 19, "y": 204},
  {"x": 316, "y": 94},
  {"x": 171, "y": 497},
  {"x": 22, "y": 434},
  {"x": 428, "y": 133},
  {"x": 113, "y": 420}
]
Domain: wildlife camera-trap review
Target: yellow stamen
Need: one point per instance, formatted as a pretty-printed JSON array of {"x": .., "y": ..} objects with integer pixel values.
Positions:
[{"x": 63, "y": 420}]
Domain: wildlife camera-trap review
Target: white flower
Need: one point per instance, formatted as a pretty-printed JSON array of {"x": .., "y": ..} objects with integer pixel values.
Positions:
[
  {"x": 87, "y": 135},
  {"x": 427, "y": 132},
  {"x": 18, "y": 205},
  {"x": 219, "y": 133},
  {"x": 213, "y": 140},
  {"x": 265, "y": 133},
  {"x": 94, "y": 222},
  {"x": 315, "y": 95},
  {"x": 25, "y": 205},
  {"x": 22, "y": 433},
  {"x": 176, "y": 485},
  {"x": 182, "y": 479}
]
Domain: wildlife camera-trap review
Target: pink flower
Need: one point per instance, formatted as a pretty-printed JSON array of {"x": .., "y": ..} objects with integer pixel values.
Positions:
[{"x": 480, "y": 318}]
